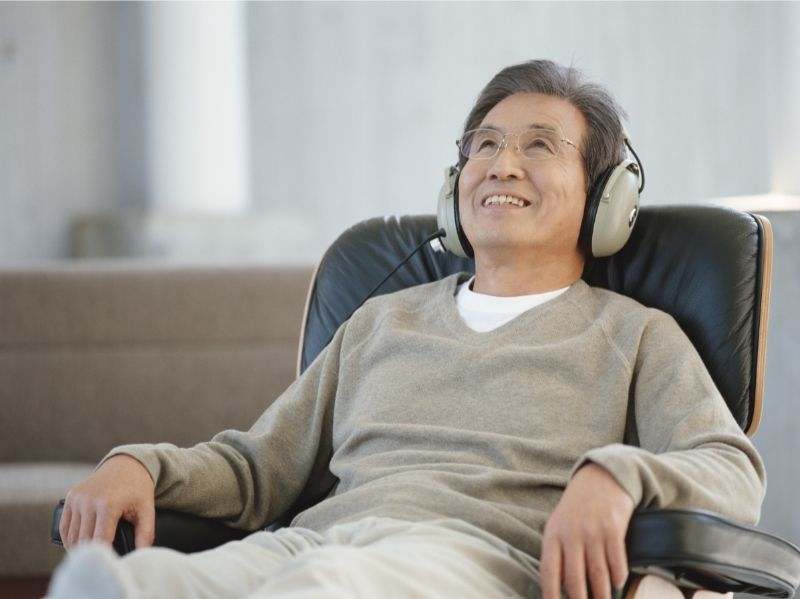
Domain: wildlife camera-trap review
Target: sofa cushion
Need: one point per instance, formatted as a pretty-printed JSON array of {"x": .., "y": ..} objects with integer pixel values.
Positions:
[{"x": 28, "y": 495}]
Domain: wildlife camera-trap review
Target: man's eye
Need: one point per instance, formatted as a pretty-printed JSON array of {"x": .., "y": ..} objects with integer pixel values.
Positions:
[
  {"x": 485, "y": 142},
  {"x": 538, "y": 148},
  {"x": 540, "y": 144}
]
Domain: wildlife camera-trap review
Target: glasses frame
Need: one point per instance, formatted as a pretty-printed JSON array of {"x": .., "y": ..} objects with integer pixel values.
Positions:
[{"x": 504, "y": 143}]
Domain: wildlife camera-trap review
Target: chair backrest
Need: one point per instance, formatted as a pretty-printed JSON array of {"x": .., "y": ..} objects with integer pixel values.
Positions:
[{"x": 709, "y": 267}]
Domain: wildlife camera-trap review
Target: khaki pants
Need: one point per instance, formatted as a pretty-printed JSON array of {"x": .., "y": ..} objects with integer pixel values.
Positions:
[{"x": 372, "y": 557}]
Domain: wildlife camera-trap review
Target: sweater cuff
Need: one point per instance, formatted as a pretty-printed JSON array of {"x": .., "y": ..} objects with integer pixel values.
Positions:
[
  {"x": 141, "y": 452},
  {"x": 616, "y": 459}
]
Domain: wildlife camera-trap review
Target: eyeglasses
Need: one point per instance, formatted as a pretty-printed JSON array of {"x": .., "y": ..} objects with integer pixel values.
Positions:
[{"x": 535, "y": 143}]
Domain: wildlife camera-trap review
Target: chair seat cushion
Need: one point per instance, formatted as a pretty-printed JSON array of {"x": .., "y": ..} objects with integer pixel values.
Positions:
[{"x": 28, "y": 492}]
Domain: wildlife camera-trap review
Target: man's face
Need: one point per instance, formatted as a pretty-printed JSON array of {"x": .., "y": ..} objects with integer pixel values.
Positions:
[{"x": 555, "y": 188}]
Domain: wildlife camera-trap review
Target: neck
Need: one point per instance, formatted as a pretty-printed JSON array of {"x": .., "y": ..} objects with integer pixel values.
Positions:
[{"x": 509, "y": 278}]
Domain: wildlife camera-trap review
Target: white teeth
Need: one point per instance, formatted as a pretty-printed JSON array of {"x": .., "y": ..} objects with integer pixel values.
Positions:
[{"x": 503, "y": 200}]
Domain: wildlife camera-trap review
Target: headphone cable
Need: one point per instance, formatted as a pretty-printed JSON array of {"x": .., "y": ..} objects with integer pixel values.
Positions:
[
  {"x": 639, "y": 162},
  {"x": 440, "y": 233}
]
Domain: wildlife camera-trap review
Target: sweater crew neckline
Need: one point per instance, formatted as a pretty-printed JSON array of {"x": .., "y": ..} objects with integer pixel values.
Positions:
[
  {"x": 452, "y": 319},
  {"x": 517, "y": 304}
]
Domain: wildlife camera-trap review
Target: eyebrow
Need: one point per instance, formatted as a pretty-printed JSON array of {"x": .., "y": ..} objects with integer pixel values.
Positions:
[{"x": 530, "y": 126}]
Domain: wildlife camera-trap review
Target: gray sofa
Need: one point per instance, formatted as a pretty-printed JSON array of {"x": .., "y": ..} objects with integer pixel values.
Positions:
[{"x": 97, "y": 354}]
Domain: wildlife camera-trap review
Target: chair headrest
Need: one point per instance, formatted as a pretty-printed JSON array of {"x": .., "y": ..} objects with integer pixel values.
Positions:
[{"x": 707, "y": 266}]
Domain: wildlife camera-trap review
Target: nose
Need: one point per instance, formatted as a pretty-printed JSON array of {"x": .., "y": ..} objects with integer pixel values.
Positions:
[{"x": 506, "y": 164}]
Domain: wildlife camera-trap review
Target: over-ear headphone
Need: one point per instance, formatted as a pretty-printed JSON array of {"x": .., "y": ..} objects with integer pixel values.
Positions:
[{"x": 612, "y": 206}]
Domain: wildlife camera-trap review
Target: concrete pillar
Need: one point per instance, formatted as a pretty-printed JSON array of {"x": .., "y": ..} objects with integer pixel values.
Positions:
[{"x": 197, "y": 144}]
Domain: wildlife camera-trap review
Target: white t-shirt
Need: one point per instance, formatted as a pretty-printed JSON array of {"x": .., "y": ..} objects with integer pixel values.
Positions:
[{"x": 484, "y": 313}]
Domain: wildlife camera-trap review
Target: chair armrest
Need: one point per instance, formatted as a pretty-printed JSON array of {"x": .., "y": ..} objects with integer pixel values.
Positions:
[
  {"x": 183, "y": 532},
  {"x": 699, "y": 549}
]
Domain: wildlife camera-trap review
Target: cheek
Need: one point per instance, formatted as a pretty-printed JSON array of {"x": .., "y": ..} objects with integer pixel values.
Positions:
[
  {"x": 565, "y": 183},
  {"x": 547, "y": 185},
  {"x": 468, "y": 180},
  {"x": 560, "y": 177}
]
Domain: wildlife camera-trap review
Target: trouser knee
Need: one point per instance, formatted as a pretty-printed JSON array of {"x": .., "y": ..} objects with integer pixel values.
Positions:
[
  {"x": 154, "y": 569},
  {"x": 149, "y": 557},
  {"x": 331, "y": 566}
]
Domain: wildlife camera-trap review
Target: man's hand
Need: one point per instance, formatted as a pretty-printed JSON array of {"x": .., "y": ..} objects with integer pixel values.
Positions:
[
  {"x": 584, "y": 538},
  {"x": 120, "y": 488}
]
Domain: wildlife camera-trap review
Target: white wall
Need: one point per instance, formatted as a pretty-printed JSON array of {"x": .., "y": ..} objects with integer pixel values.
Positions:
[
  {"x": 395, "y": 82},
  {"x": 354, "y": 107}
]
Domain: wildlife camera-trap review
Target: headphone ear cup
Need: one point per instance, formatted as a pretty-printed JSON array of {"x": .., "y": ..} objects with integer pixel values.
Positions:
[
  {"x": 462, "y": 235},
  {"x": 590, "y": 213},
  {"x": 611, "y": 211},
  {"x": 448, "y": 218}
]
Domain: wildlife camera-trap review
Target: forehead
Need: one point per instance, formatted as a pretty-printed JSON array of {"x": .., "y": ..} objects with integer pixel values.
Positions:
[{"x": 521, "y": 110}]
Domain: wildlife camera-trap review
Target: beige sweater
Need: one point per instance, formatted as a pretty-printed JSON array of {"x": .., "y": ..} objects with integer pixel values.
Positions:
[{"x": 409, "y": 413}]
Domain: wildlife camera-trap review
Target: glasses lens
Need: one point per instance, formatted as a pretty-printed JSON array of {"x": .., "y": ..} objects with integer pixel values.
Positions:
[
  {"x": 539, "y": 144},
  {"x": 480, "y": 143},
  {"x": 536, "y": 144}
]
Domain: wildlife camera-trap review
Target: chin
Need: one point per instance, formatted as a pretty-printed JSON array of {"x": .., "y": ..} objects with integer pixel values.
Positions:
[{"x": 502, "y": 244}]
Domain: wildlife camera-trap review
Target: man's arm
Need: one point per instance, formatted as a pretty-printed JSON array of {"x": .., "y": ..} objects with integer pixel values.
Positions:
[
  {"x": 692, "y": 453},
  {"x": 248, "y": 479}
]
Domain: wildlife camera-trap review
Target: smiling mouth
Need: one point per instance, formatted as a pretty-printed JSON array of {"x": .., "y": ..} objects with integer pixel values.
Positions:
[{"x": 504, "y": 203}]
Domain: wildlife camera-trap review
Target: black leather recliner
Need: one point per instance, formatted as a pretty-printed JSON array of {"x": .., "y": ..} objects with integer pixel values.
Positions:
[{"x": 709, "y": 267}]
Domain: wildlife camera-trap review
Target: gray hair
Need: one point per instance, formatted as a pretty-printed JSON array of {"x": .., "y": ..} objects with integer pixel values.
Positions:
[{"x": 603, "y": 146}]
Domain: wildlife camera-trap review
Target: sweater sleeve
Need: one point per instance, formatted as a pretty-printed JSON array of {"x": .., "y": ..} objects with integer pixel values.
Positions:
[
  {"x": 691, "y": 453},
  {"x": 249, "y": 479}
]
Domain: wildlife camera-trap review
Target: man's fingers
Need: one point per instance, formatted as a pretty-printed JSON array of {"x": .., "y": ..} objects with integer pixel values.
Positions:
[
  {"x": 617, "y": 561},
  {"x": 597, "y": 567},
  {"x": 87, "y": 524},
  {"x": 144, "y": 528},
  {"x": 575, "y": 571},
  {"x": 550, "y": 570},
  {"x": 74, "y": 527},
  {"x": 63, "y": 525},
  {"x": 105, "y": 526}
]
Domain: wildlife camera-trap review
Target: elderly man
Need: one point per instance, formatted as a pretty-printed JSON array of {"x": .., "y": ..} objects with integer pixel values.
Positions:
[{"x": 475, "y": 436}]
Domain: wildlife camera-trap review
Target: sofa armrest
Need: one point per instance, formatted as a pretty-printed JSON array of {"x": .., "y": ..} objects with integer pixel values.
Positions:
[
  {"x": 701, "y": 550},
  {"x": 183, "y": 532}
]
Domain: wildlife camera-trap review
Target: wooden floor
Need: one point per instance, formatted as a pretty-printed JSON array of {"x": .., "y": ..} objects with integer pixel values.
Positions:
[{"x": 23, "y": 588}]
